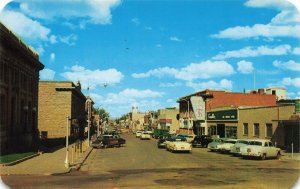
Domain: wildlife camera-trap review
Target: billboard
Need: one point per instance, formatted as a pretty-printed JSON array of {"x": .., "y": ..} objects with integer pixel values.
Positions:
[{"x": 198, "y": 105}]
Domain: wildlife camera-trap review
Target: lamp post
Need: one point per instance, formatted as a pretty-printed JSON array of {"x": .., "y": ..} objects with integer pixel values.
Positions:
[
  {"x": 67, "y": 165},
  {"x": 89, "y": 118}
]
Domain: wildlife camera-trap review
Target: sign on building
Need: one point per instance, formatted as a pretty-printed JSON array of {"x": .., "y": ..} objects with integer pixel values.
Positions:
[
  {"x": 224, "y": 115},
  {"x": 198, "y": 107}
]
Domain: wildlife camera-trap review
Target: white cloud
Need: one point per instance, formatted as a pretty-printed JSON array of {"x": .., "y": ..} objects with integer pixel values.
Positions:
[
  {"x": 92, "y": 11},
  {"x": 3, "y": 3},
  {"x": 97, "y": 98},
  {"x": 69, "y": 40},
  {"x": 245, "y": 67},
  {"x": 47, "y": 74},
  {"x": 202, "y": 70},
  {"x": 254, "y": 52},
  {"x": 285, "y": 24},
  {"x": 176, "y": 84},
  {"x": 93, "y": 78},
  {"x": 25, "y": 27},
  {"x": 293, "y": 95},
  {"x": 223, "y": 84},
  {"x": 289, "y": 65},
  {"x": 296, "y": 51},
  {"x": 287, "y": 81},
  {"x": 136, "y": 21},
  {"x": 52, "y": 57},
  {"x": 173, "y": 38}
]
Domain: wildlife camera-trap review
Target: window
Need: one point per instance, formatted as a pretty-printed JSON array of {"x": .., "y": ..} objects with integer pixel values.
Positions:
[
  {"x": 245, "y": 129},
  {"x": 231, "y": 131},
  {"x": 212, "y": 130},
  {"x": 269, "y": 130},
  {"x": 256, "y": 129}
]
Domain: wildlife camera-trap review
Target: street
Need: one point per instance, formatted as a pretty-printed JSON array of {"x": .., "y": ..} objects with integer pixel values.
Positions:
[{"x": 140, "y": 164}]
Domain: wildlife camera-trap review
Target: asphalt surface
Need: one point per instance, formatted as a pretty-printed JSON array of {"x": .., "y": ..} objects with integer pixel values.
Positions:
[{"x": 140, "y": 164}]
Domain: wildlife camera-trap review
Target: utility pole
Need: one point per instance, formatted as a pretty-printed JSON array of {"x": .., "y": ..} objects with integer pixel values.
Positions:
[
  {"x": 89, "y": 119},
  {"x": 67, "y": 165}
]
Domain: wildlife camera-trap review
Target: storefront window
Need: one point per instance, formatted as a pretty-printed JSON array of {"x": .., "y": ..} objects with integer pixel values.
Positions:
[
  {"x": 212, "y": 130},
  {"x": 269, "y": 130},
  {"x": 245, "y": 129},
  {"x": 256, "y": 129},
  {"x": 231, "y": 132}
]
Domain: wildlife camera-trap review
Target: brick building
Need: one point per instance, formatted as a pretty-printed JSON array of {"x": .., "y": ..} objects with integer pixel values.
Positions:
[
  {"x": 57, "y": 100},
  {"x": 167, "y": 120},
  {"x": 19, "y": 66},
  {"x": 212, "y": 99}
]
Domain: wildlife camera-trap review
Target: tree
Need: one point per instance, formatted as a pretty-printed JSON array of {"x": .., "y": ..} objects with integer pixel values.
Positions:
[{"x": 103, "y": 114}]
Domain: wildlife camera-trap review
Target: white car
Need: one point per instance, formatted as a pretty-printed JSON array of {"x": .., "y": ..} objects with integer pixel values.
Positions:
[
  {"x": 145, "y": 135},
  {"x": 189, "y": 138},
  {"x": 235, "y": 149},
  {"x": 225, "y": 147},
  {"x": 261, "y": 149},
  {"x": 179, "y": 144},
  {"x": 213, "y": 146},
  {"x": 138, "y": 134}
]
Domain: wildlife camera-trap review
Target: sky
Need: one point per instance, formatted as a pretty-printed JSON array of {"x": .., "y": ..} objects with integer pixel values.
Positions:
[{"x": 150, "y": 53}]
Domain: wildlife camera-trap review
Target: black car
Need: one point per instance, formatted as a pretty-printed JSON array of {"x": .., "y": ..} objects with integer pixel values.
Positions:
[
  {"x": 162, "y": 139},
  {"x": 201, "y": 141}
]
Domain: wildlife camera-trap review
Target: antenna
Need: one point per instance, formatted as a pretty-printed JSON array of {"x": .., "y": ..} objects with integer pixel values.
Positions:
[{"x": 254, "y": 80}]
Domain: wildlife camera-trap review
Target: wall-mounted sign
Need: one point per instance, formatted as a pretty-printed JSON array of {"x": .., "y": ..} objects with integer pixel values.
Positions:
[
  {"x": 224, "y": 115},
  {"x": 198, "y": 107}
]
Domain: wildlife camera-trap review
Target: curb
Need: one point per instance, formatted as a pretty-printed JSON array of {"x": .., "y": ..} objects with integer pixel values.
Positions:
[{"x": 21, "y": 160}]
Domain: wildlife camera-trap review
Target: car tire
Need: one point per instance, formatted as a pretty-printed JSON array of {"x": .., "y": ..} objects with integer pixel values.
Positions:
[
  {"x": 263, "y": 157},
  {"x": 278, "y": 155}
]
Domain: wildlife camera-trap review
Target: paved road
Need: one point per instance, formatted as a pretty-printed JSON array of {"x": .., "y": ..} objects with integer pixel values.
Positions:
[{"x": 140, "y": 164}]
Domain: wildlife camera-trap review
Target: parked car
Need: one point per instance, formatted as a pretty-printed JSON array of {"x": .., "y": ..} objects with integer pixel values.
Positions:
[
  {"x": 97, "y": 143},
  {"x": 201, "y": 141},
  {"x": 121, "y": 140},
  {"x": 145, "y": 135},
  {"x": 161, "y": 143},
  {"x": 179, "y": 144},
  {"x": 235, "y": 149},
  {"x": 213, "y": 146},
  {"x": 138, "y": 134},
  {"x": 189, "y": 138},
  {"x": 226, "y": 146},
  {"x": 261, "y": 149}
]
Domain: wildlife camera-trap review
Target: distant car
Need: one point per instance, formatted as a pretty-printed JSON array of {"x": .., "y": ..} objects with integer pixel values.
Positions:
[
  {"x": 138, "y": 134},
  {"x": 145, "y": 136},
  {"x": 179, "y": 144},
  {"x": 226, "y": 146},
  {"x": 261, "y": 149},
  {"x": 189, "y": 138},
  {"x": 213, "y": 146},
  {"x": 201, "y": 141},
  {"x": 161, "y": 143},
  {"x": 121, "y": 140},
  {"x": 97, "y": 143},
  {"x": 235, "y": 149}
]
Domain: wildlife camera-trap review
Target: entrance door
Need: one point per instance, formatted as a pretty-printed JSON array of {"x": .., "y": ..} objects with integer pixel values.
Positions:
[{"x": 221, "y": 130}]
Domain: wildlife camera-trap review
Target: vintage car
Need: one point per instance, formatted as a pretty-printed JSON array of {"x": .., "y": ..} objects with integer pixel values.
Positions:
[
  {"x": 97, "y": 143},
  {"x": 121, "y": 140},
  {"x": 213, "y": 146},
  {"x": 189, "y": 138},
  {"x": 138, "y": 134},
  {"x": 179, "y": 144},
  {"x": 261, "y": 149},
  {"x": 145, "y": 136},
  {"x": 226, "y": 146},
  {"x": 235, "y": 149},
  {"x": 201, "y": 141},
  {"x": 105, "y": 141}
]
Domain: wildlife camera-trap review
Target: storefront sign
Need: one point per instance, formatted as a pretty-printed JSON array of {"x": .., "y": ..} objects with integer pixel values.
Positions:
[
  {"x": 198, "y": 107},
  {"x": 224, "y": 115}
]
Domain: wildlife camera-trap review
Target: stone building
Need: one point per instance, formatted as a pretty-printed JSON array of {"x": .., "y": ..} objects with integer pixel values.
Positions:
[
  {"x": 137, "y": 119},
  {"x": 167, "y": 120},
  {"x": 19, "y": 66},
  {"x": 193, "y": 107},
  {"x": 57, "y": 100}
]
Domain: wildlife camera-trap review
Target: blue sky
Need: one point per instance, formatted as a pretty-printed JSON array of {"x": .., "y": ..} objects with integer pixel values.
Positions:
[{"x": 152, "y": 52}]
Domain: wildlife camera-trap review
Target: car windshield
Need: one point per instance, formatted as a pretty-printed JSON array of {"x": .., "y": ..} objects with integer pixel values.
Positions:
[
  {"x": 256, "y": 143},
  {"x": 231, "y": 142},
  {"x": 243, "y": 141}
]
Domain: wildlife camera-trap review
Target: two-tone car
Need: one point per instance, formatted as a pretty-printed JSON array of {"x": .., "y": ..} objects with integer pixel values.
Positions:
[
  {"x": 213, "y": 146},
  {"x": 236, "y": 148},
  {"x": 145, "y": 136},
  {"x": 189, "y": 138},
  {"x": 138, "y": 134},
  {"x": 179, "y": 144},
  {"x": 226, "y": 146},
  {"x": 260, "y": 149}
]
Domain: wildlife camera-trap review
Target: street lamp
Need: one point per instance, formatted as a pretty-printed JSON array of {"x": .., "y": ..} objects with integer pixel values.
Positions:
[
  {"x": 67, "y": 165},
  {"x": 89, "y": 118}
]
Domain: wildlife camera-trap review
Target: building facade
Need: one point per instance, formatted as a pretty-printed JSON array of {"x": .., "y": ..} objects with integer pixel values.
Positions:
[
  {"x": 192, "y": 113},
  {"x": 250, "y": 122},
  {"x": 167, "y": 120},
  {"x": 19, "y": 66},
  {"x": 57, "y": 101},
  {"x": 137, "y": 119}
]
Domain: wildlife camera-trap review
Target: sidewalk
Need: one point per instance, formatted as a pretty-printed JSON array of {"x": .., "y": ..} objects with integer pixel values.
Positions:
[
  {"x": 47, "y": 163},
  {"x": 290, "y": 156}
]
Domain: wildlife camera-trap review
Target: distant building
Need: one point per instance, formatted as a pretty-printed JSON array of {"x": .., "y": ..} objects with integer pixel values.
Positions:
[
  {"x": 137, "y": 119},
  {"x": 279, "y": 92},
  {"x": 193, "y": 107},
  {"x": 19, "y": 66},
  {"x": 57, "y": 100},
  {"x": 167, "y": 119}
]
